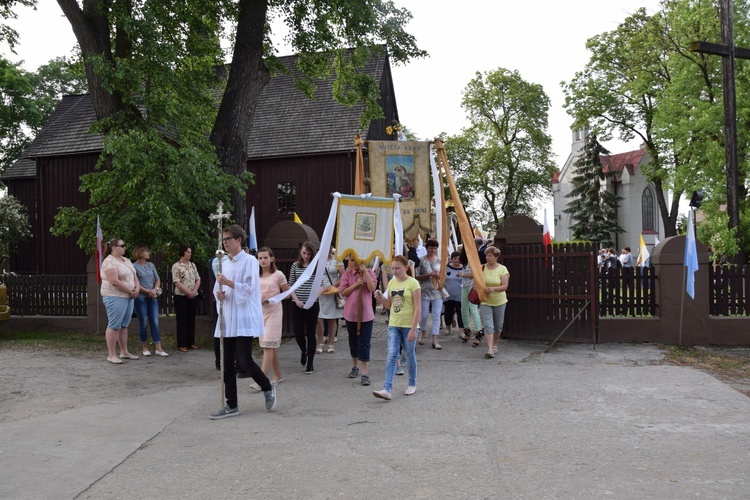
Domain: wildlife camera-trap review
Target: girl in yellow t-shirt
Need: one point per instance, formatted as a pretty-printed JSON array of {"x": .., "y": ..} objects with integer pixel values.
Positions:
[
  {"x": 403, "y": 298},
  {"x": 496, "y": 279}
]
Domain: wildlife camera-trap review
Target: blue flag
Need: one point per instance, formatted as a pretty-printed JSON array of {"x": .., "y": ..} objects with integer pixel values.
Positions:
[
  {"x": 691, "y": 258},
  {"x": 252, "y": 236}
]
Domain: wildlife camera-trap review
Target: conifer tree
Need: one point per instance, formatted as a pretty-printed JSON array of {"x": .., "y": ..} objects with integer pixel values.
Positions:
[{"x": 592, "y": 208}]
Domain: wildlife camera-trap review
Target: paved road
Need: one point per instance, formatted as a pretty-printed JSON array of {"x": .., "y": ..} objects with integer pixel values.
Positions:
[{"x": 573, "y": 423}]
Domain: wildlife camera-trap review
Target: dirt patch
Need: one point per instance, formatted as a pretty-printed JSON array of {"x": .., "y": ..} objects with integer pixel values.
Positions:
[
  {"x": 731, "y": 365},
  {"x": 42, "y": 380}
]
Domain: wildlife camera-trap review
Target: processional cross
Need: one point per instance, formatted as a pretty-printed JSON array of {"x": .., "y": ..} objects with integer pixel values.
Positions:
[
  {"x": 728, "y": 53},
  {"x": 219, "y": 217}
]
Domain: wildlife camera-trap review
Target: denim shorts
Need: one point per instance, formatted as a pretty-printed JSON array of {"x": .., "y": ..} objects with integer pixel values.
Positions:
[{"x": 119, "y": 312}]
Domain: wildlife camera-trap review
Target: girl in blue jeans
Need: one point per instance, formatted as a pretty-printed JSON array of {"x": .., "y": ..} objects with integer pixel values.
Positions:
[{"x": 403, "y": 298}]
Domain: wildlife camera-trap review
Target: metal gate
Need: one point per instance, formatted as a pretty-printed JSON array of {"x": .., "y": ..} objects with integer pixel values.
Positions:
[{"x": 551, "y": 292}]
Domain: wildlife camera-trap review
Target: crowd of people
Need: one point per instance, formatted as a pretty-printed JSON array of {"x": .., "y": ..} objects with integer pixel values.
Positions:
[
  {"x": 608, "y": 259},
  {"x": 409, "y": 291}
]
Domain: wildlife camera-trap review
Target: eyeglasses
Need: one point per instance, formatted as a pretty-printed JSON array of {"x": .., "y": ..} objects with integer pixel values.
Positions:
[
  {"x": 224, "y": 240},
  {"x": 121, "y": 246}
]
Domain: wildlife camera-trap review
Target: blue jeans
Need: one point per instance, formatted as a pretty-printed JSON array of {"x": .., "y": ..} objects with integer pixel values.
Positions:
[
  {"x": 359, "y": 345},
  {"x": 437, "y": 306},
  {"x": 147, "y": 308},
  {"x": 396, "y": 339}
]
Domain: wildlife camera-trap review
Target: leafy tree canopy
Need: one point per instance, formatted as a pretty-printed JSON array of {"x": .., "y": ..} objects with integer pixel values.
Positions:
[
  {"x": 8, "y": 34},
  {"x": 504, "y": 156},
  {"x": 151, "y": 68},
  {"x": 643, "y": 81}
]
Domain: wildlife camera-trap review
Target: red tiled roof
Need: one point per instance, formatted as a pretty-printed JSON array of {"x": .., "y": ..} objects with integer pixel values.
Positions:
[{"x": 616, "y": 163}]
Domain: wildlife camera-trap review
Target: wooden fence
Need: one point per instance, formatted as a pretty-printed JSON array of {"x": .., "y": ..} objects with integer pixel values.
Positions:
[
  {"x": 551, "y": 290},
  {"x": 622, "y": 292},
  {"x": 47, "y": 295},
  {"x": 728, "y": 289},
  {"x": 627, "y": 292}
]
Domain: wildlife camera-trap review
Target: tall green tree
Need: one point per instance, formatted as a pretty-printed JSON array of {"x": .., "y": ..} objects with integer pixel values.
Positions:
[
  {"x": 642, "y": 81},
  {"x": 504, "y": 155},
  {"x": 150, "y": 64},
  {"x": 592, "y": 207}
]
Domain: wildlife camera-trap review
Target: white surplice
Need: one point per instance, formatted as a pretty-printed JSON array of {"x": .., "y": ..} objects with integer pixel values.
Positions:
[{"x": 243, "y": 310}]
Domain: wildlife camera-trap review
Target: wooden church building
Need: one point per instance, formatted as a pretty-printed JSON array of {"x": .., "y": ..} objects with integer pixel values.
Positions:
[{"x": 300, "y": 150}]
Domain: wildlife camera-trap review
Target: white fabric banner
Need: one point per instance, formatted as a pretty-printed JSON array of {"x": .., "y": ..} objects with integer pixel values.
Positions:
[
  {"x": 316, "y": 264},
  {"x": 437, "y": 186},
  {"x": 453, "y": 236},
  {"x": 365, "y": 228},
  {"x": 398, "y": 227}
]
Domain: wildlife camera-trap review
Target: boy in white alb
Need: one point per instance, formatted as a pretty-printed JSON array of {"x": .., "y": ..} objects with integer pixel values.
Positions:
[{"x": 243, "y": 319}]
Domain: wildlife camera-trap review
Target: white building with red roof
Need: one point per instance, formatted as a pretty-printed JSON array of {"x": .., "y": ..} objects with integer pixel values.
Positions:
[{"x": 638, "y": 211}]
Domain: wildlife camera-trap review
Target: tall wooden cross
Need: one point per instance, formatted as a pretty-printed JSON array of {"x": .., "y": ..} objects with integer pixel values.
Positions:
[
  {"x": 219, "y": 217},
  {"x": 728, "y": 53}
]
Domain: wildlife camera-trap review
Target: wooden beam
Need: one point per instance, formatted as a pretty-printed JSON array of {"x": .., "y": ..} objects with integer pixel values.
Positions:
[{"x": 719, "y": 50}]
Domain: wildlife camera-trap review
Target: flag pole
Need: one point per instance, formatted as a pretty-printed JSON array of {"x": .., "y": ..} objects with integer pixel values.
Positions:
[
  {"x": 682, "y": 302},
  {"x": 691, "y": 227}
]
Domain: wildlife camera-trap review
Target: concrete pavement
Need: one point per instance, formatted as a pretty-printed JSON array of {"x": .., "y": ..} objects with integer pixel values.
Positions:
[{"x": 572, "y": 423}]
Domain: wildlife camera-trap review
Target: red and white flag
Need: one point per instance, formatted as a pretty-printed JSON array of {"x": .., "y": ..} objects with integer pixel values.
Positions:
[
  {"x": 546, "y": 237},
  {"x": 99, "y": 251}
]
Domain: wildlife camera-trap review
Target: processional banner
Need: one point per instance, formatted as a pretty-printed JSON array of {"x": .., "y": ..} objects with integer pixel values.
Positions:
[
  {"x": 364, "y": 228},
  {"x": 403, "y": 167}
]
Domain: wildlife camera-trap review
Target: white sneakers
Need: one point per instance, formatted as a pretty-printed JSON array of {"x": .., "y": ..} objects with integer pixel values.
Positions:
[
  {"x": 382, "y": 394},
  {"x": 387, "y": 395},
  {"x": 156, "y": 353}
]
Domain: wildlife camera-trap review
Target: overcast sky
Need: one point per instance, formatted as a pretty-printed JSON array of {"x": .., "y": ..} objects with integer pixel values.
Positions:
[{"x": 543, "y": 39}]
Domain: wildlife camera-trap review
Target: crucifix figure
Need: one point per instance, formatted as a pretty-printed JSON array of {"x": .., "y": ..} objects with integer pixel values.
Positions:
[
  {"x": 219, "y": 216},
  {"x": 729, "y": 53}
]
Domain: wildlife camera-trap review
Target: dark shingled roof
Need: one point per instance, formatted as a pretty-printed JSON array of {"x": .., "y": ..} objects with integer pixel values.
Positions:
[
  {"x": 23, "y": 168},
  {"x": 286, "y": 122},
  {"x": 66, "y": 131}
]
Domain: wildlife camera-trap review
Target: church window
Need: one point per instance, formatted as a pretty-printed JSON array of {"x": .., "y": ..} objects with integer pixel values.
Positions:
[
  {"x": 286, "y": 198},
  {"x": 647, "y": 209}
]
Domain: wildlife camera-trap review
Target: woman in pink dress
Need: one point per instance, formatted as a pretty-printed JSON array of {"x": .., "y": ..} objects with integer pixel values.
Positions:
[{"x": 272, "y": 282}]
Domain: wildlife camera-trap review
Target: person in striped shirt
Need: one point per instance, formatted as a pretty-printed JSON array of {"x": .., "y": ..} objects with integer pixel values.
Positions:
[{"x": 304, "y": 320}]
